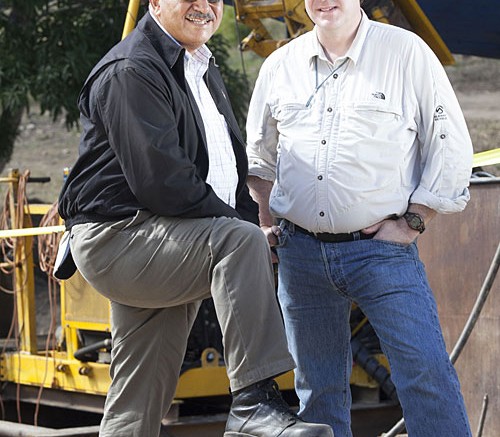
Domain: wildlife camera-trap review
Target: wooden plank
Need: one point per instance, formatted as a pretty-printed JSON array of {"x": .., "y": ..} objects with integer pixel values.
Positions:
[{"x": 457, "y": 250}]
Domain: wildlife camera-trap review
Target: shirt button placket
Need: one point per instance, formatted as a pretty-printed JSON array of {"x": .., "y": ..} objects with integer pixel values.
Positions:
[{"x": 320, "y": 178}]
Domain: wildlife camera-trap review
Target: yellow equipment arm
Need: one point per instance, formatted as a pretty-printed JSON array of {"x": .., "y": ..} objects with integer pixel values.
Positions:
[
  {"x": 131, "y": 19},
  {"x": 253, "y": 12}
]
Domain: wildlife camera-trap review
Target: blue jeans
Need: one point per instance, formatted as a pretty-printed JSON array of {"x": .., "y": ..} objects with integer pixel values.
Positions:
[{"x": 318, "y": 283}]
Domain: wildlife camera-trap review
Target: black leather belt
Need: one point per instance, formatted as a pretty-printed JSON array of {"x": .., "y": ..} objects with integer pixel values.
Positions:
[{"x": 336, "y": 238}]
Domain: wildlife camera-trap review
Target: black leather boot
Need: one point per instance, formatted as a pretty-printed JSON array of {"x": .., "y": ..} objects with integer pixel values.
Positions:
[{"x": 260, "y": 411}]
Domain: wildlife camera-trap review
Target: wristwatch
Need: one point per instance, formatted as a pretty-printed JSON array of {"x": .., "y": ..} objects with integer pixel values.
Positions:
[{"x": 414, "y": 221}]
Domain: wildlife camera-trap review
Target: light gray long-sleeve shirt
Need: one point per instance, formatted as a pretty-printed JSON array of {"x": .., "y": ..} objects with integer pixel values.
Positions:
[{"x": 351, "y": 143}]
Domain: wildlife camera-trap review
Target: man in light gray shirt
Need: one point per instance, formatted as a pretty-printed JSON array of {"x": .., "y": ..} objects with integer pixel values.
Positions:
[{"x": 355, "y": 141}]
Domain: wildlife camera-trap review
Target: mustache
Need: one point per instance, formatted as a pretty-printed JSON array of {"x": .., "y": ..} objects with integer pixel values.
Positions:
[{"x": 201, "y": 16}]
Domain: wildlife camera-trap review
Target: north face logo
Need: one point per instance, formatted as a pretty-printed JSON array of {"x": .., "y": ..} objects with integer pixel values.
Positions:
[{"x": 379, "y": 95}]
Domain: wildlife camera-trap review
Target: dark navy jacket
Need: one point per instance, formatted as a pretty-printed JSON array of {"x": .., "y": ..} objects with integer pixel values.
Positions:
[{"x": 143, "y": 144}]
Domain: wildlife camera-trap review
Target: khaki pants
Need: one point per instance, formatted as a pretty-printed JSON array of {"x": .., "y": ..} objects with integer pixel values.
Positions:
[{"x": 156, "y": 270}]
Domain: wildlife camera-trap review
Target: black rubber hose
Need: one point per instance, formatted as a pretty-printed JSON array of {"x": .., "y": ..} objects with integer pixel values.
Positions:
[{"x": 90, "y": 352}]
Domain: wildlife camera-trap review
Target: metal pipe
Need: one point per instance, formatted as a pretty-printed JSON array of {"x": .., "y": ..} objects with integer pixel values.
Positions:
[
  {"x": 12, "y": 429},
  {"x": 26, "y": 232},
  {"x": 478, "y": 306},
  {"x": 488, "y": 157},
  {"x": 482, "y": 417}
]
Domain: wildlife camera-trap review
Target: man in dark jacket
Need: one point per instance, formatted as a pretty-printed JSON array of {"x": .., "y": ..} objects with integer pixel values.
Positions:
[{"x": 158, "y": 217}]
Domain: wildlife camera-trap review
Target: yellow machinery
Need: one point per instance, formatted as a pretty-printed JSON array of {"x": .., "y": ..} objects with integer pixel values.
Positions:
[
  {"x": 72, "y": 366},
  {"x": 254, "y": 12}
]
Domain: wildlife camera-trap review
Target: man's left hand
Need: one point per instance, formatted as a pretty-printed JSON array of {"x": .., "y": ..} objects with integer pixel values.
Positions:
[{"x": 396, "y": 231}]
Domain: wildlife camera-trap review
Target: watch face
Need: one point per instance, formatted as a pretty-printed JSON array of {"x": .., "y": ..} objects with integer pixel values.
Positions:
[{"x": 414, "y": 221}]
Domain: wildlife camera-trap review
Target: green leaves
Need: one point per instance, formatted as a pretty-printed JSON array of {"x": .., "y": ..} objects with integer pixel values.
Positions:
[{"x": 48, "y": 47}]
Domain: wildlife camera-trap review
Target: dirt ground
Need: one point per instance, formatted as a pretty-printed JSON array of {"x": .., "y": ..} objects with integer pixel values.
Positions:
[{"x": 46, "y": 148}]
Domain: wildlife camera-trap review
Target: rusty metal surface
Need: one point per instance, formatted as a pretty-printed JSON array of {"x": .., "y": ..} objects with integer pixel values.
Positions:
[
  {"x": 370, "y": 419},
  {"x": 457, "y": 250}
]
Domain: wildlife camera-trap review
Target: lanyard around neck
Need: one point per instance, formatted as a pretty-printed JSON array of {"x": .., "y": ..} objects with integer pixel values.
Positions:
[{"x": 318, "y": 86}]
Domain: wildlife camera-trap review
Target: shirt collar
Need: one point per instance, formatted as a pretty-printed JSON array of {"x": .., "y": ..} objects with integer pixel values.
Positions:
[
  {"x": 354, "y": 52},
  {"x": 315, "y": 49},
  {"x": 201, "y": 56}
]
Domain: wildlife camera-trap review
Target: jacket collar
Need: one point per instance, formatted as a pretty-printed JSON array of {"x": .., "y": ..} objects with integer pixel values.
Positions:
[{"x": 163, "y": 43}]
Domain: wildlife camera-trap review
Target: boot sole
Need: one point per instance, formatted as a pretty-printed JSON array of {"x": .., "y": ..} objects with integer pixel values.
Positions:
[
  {"x": 237, "y": 434},
  {"x": 243, "y": 434}
]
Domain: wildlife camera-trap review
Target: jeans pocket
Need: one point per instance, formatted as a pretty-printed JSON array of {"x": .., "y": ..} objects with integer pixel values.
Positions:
[{"x": 394, "y": 244}]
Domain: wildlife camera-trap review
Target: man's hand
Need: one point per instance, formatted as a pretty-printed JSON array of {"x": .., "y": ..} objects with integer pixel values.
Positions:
[
  {"x": 272, "y": 233},
  {"x": 398, "y": 230},
  {"x": 260, "y": 190}
]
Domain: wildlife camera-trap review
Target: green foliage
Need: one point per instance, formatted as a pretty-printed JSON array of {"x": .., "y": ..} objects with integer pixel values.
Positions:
[
  {"x": 246, "y": 62},
  {"x": 70, "y": 40},
  {"x": 48, "y": 47},
  {"x": 232, "y": 31}
]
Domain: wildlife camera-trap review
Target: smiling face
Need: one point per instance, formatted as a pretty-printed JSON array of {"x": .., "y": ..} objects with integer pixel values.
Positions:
[
  {"x": 191, "y": 22},
  {"x": 334, "y": 15}
]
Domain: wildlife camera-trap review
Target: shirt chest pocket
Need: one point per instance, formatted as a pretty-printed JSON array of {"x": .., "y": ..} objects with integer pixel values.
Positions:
[
  {"x": 295, "y": 116},
  {"x": 369, "y": 120},
  {"x": 377, "y": 111}
]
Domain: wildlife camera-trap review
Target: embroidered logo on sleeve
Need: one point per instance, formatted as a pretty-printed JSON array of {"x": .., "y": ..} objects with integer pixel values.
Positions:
[{"x": 440, "y": 114}]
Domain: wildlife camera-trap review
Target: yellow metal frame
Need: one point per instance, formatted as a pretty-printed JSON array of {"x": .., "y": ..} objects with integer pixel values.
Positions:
[
  {"x": 24, "y": 282},
  {"x": 488, "y": 157},
  {"x": 252, "y": 12},
  {"x": 131, "y": 18},
  {"x": 55, "y": 370}
]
